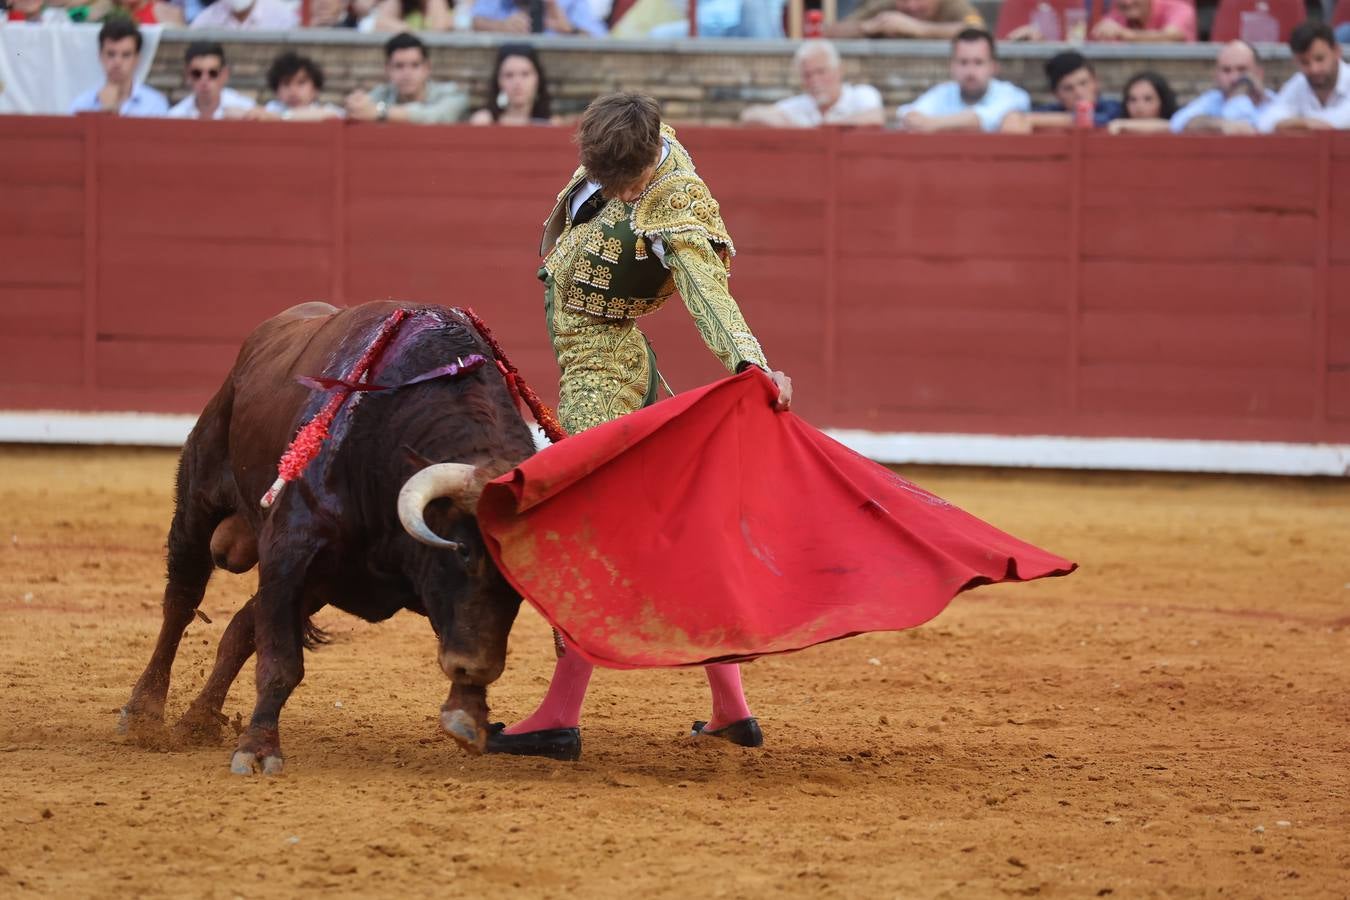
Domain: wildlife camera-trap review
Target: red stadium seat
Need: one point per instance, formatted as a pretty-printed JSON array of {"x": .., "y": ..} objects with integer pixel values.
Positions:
[
  {"x": 1014, "y": 14},
  {"x": 1228, "y": 18}
]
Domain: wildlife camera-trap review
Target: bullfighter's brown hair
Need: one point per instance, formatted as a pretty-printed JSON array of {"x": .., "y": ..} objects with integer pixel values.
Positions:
[{"x": 619, "y": 137}]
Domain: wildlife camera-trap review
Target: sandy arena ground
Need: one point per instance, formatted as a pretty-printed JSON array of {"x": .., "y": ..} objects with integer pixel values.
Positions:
[{"x": 1171, "y": 721}]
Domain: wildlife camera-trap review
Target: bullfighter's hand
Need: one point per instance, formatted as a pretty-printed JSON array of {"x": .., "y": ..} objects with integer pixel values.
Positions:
[{"x": 784, "y": 385}]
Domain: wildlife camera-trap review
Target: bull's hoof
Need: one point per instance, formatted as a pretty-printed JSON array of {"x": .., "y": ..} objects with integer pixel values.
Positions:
[
  {"x": 461, "y": 726},
  {"x": 143, "y": 729},
  {"x": 199, "y": 728},
  {"x": 245, "y": 763}
]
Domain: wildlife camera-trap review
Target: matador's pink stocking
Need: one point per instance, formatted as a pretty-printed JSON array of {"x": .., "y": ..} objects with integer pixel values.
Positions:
[
  {"x": 561, "y": 706},
  {"x": 727, "y": 695}
]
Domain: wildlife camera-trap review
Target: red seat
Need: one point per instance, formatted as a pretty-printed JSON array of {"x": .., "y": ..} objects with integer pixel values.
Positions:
[
  {"x": 1228, "y": 18},
  {"x": 1014, "y": 14},
  {"x": 1341, "y": 14}
]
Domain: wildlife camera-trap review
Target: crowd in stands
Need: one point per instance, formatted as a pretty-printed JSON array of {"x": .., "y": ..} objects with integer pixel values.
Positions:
[
  {"x": 974, "y": 99},
  {"x": 1123, "y": 20}
]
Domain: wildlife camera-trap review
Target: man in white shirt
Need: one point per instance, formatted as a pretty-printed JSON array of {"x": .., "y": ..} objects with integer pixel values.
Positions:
[
  {"x": 974, "y": 100},
  {"x": 1318, "y": 96},
  {"x": 119, "y": 52},
  {"x": 1233, "y": 105},
  {"x": 827, "y": 101},
  {"x": 247, "y": 15},
  {"x": 208, "y": 74}
]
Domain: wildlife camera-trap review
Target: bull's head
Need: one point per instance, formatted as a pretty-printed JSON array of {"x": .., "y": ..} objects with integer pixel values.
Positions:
[{"x": 468, "y": 600}]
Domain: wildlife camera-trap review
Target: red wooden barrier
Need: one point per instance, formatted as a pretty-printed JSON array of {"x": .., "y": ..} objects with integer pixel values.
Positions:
[{"x": 1071, "y": 285}]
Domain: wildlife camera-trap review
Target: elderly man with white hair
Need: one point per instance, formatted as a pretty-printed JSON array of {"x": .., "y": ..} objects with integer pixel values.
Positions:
[{"x": 827, "y": 99}]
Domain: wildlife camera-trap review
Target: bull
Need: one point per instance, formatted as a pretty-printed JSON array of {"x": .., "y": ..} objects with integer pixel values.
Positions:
[{"x": 383, "y": 518}]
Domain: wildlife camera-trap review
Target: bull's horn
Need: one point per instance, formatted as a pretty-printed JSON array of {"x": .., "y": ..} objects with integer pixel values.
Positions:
[{"x": 454, "y": 480}]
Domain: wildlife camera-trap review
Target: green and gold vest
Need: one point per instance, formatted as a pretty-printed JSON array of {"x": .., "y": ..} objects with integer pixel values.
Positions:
[{"x": 604, "y": 267}]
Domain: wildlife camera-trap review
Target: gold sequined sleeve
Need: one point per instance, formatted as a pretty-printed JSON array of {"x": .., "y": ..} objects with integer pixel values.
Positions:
[{"x": 701, "y": 278}]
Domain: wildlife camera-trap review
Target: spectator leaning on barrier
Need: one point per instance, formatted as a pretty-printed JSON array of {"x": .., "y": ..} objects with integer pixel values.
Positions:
[
  {"x": 249, "y": 15},
  {"x": 555, "y": 17},
  {"x": 1149, "y": 103},
  {"x": 938, "y": 20},
  {"x": 974, "y": 100},
  {"x": 142, "y": 12},
  {"x": 119, "y": 52},
  {"x": 410, "y": 96},
  {"x": 1233, "y": 105},
  {"x": 414, "y": 15},
  {"x": 518, "y": 94},
  {"x": 1148, "y": 21},
  {"x": 208, "y": 75},
  {"x": 295, "y": 81},
  {"x": 1319, "y": 95},
  {"x": 827, "y": 99},
  {"x": 1073, "y": 81}
]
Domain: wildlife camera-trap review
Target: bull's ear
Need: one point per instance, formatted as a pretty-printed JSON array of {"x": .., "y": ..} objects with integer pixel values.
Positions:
[{"x": 415, "y": 459}]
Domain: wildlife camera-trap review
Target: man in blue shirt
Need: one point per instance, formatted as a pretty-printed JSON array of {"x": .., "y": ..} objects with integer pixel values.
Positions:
[
  {"x": 974, "y": 100},
  {"x": 119, "y": 52},
  {"x": 1233, "y": 105},
  {"x": 1073, "y": 81},
  {"x": 546, "y": 16}
]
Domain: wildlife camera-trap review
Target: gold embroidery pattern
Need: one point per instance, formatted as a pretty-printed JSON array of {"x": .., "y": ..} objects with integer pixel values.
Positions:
[
  {"x": 701, "y": 276},
  {"x": 598, "y": 277},
  {"x": 606, "y": 370},
  {"x": 679, "y": 202},
  {"x": 609, "y": 251}
]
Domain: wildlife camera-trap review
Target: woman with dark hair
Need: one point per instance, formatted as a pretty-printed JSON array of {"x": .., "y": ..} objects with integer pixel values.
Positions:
[
  {"x": 518, "y": 92},
  {"x": 1149, "y": 104}
]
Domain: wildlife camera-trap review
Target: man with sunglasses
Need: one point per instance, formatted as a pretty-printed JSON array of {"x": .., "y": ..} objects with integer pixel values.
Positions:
[{"x": 208, "y": 75}]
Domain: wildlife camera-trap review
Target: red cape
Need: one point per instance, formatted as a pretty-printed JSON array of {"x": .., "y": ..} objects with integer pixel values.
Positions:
[{"x": 709, "y": 527}]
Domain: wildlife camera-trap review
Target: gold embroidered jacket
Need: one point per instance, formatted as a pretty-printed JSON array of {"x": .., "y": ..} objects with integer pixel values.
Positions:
[{"x": 605, "y": 267}]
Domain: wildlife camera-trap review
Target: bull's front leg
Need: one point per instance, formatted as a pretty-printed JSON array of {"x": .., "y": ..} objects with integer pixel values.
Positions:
[
  {"x": 464, "y": 716},
  {"x": 278, "y": 632}
]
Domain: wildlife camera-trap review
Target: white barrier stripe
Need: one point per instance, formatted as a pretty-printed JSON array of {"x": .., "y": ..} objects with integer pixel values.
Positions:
[{"x": 1036, "y": 451}]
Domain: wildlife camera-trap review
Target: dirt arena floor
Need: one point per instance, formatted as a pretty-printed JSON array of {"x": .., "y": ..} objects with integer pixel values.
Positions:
[{"x": 1171, "y": 721}]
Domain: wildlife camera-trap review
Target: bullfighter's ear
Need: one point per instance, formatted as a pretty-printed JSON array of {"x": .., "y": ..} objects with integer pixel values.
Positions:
[{"x": 415, "y": 459}]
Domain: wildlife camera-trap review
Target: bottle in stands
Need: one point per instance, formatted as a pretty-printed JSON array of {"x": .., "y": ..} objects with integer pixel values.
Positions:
[
  {"x": 814, "y": 26},
  {"x": 1082, "y": 114}
]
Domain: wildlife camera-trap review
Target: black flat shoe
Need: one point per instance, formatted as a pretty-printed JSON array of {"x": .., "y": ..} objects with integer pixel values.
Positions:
[
  {"x": 746, "y": 733},
  {"x": 555, "y": 743}
]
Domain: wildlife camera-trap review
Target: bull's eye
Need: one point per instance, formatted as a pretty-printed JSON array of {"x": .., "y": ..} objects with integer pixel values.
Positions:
[{"x": 465, "y": 557}]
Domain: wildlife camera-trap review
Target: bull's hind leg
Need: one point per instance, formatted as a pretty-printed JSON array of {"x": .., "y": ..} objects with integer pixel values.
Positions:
[
  {"x": 202, "y": 722},
  {"x": 189, "y": 569},
  {"x": 279, "y": 616}
]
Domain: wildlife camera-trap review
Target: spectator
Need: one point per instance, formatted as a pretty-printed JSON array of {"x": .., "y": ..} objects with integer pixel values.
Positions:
[
  {"x": 414, "y": 15},
  {"x": 1234, "y": 104},
  {"x": 938, "y": 20},
  {"x": 669, "y": 19},
  {"x": 119, "y": 52},
  {"x": 974, "y": 100},
  {"x": 554, "y": 17},
  {"x": 1073, "y": 81},
  {"x": 340, "y": 13},
  {"x": 295, "y": 81},
  {"x": 519, "y": 93},
  {"x": 1149, "y": 103},
  {"x": 827, "y": 100},
  {"x": 36, "y": 11},
  {"x": 1148, "y": 21},
  {"x": 142, "y": 12},
  {"x": 410, "y": 96},
  {"x": 1318, "y": 97},
  {"x": 208, "y": 75},
  {"x": 249, "y": 15}
]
